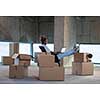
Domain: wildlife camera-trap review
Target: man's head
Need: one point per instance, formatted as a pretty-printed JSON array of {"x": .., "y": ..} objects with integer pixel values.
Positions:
[{"x": 43, "y": 39}]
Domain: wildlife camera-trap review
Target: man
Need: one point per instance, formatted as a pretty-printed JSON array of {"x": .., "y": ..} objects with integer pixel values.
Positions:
[{"x": 58, "y": 55}]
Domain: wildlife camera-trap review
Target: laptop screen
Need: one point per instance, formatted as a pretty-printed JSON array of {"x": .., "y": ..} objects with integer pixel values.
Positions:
[{"x": 63, "y": 49}]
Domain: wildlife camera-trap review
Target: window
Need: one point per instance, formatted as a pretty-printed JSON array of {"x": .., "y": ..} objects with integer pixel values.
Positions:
[
  {"x": 93, "y": 49},
  {"x": 4, "y": 49},
  {"x": 24, "y": 48},
  {"x": 37, "y": 49}
]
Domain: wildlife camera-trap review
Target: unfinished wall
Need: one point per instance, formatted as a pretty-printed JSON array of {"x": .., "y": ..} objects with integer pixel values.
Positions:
[
  {"x": 88, "y": 29},
  {"x": 46, "y": 27},
  {"x": 25, "y": 28},
  {"x": 9, "y": 29}
]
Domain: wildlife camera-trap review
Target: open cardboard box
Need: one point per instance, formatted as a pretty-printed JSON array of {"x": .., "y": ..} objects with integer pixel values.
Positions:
[
  {"x": 21, "y": 59},
  {"x": 81, "y": 57},
  {"x": 21, "y": 56}
]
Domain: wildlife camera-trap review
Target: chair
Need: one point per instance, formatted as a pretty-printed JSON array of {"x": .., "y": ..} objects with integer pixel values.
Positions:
[
  {"x": 42, "y": 48},
  {"x": 56, "y": 58}
]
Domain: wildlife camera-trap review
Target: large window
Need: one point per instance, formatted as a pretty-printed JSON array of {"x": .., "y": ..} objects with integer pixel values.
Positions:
[
  {"x": 4, "y": 49},
  {"x": 37, "y": 49},
  {"x": 24, "y": 48},
  {"x": 93, "y": 49}
]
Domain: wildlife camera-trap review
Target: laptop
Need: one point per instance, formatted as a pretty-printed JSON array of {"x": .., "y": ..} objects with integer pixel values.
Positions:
[{"x": 63, "y": 50}]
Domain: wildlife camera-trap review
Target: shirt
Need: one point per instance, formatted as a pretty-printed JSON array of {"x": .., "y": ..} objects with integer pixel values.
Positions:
[{"x": 46, "y": 48}]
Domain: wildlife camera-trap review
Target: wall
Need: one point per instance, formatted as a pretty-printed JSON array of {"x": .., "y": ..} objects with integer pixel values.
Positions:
[
  {"x": 9, "y": 29},
  {"x": 25, "y": 28},
  {"x": 88, "y": 29},
  {"x": 29, "y": 28}
]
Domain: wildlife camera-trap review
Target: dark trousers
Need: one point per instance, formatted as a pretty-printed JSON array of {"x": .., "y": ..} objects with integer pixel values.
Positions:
[{"x": 56, "y": 59}]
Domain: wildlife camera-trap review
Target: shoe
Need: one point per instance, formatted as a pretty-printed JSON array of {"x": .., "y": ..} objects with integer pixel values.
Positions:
[{"x": 76, "y": 48}]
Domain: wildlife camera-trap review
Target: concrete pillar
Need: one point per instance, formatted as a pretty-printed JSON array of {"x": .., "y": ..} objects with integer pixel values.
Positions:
[
  {"x": 13, "y": 48},
  {"x": 58, "y": 33},
  {"x": 64, "y": 36}
]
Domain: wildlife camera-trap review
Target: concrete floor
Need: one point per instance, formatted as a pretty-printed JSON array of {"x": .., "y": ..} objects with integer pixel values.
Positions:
[{"x": 33, "y": 77}]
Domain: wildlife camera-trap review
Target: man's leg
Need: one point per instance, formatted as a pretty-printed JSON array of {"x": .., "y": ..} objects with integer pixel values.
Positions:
[
  {"x": 57, "y": 60},
  {"x": 66, "y": 53}
]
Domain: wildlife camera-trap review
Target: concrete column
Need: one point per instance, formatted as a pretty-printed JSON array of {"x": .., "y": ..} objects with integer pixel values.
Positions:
[
  {"x": 58, "y": 33},
  {"x": 64, "y": 36}
]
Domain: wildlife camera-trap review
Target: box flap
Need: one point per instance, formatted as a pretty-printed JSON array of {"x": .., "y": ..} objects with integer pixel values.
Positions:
[{"x": 14, "y": 56}]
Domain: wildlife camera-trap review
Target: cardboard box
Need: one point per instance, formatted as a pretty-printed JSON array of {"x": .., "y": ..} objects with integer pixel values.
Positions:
[
  {"x": 24, "y": 62},
  {"x": 25, "y": 71},
  {"x": 84, "y": 68},
  {"x": 16, "y": 47},
  {"x": 22, "y": 71},
  {"x": 7, "y": 60},
  {"x": 55, "y": 73},
  {"x": 80, "y": 57},
  {"x": 12, "y": 71},
  {"x": 24, "y": 57},
  {"x": 46, "y": 60},
  {"x": 56, "y": 65},
  {"x": 18, "y": 71},
  {"x": 21, "y": 59},
  {"x": 21, "y": 56}
]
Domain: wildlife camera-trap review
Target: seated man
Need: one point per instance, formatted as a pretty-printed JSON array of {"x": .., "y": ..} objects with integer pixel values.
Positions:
[{"x": 58, "y": 55}]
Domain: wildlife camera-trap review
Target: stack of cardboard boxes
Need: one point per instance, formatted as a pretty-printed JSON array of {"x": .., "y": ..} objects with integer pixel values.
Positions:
[
  {"x": 19, "y": 69},
  {"x": 82, "y": 65},
  {"x": 18, "y": 63},
  {"x": 48, "y": 69}
]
